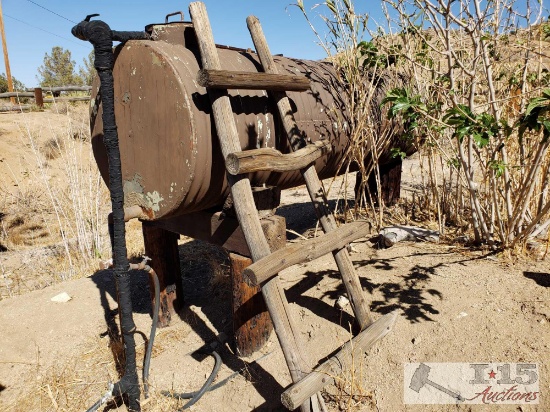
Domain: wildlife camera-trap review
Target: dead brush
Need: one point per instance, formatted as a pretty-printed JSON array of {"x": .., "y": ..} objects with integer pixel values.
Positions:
[
  {"x": 475, "y": 95},
  {"x": 363, "y": 80},
  {"x": 52, "y": 148},
  {"x": 206, "y": 268},
  {"x": 347, "y": 393},
  {"x": 73, "y": 384},
  {"x": 67, "y": 385},
  {"x": 59, "y": 198}
]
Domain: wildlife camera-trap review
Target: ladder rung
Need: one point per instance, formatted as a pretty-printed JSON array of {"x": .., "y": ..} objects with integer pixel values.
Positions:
[
  {"x": 225, "y": 79},
  {"x": 305, "y": 251},
  {"x": 314, "y": 186},
  {"x": 256, "y": 160},
  {"x": 343, "y": 360}
]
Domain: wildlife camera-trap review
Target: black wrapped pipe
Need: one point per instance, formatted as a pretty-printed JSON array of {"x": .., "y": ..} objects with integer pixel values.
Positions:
[{"x": 101, "y": 36}]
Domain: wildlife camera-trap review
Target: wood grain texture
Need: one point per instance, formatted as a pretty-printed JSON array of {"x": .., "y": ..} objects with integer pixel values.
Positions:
[
  {"x": 305, "y": 251},
  {"x": 251, "y": 321},
  {"x": 39, "y": 97},
  {"x": 287, "y": 332},
  {"x": 270, "y": 159},
  {"x": 224, "y": 231},
  {"x": 349, "y": 276},
  {"x": 336, "y": 365},
  {"x": 225, "y": 79},
  {"x": 63, "y": 89},
  {"x": 16, "y": 94},
  {"x": 162, "y": 247}
]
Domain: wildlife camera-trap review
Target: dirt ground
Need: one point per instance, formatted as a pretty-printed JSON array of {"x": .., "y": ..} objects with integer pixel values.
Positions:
[{"x": 454, "y": 305}]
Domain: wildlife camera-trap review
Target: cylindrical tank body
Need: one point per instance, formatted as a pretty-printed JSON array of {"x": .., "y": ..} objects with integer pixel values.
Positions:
[{"x": 171, "y": 161}]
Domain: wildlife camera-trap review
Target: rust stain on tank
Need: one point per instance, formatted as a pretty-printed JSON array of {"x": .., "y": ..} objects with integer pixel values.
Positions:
[{"x": 156, "y": 60}]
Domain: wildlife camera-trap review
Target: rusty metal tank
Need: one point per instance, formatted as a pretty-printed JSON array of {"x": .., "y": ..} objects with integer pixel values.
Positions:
[{"x": 171, "y": 161}]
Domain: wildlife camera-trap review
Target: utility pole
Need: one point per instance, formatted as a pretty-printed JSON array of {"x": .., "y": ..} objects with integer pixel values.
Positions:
[{"x": 5, "y": 48}]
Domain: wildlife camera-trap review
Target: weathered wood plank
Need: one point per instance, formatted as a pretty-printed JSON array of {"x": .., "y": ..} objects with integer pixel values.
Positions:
[
  {"x": 287, "y": 332},
  {"x": 305, "y": 251},
  {"x": 63, "y": 89},
  {"x": 270, "y": 159},
  {"x": 48, "y": 100},
  {"x": 67, "y": 99},
  {"x": 16, "y": 94},
  {"x": 251, "y": 322},
  {"x": 225, "y": 79},
  {"x": 38, "y": 97},
  {"x": 342, "y": 361},
  {"x": 162, "y": 247},
  {"x": 224, "y": 231},
  {"x": 315, "y": 189},
  {"x": 16, "y": 108}
]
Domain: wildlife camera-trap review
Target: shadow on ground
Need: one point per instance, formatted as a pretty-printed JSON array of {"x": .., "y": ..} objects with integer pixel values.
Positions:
[
  {"x": 540, "y": 278},
  {"x": 300, "y": 217},
  {"x": 409, "y": 294},
  {"x": 206, "y": 284}
]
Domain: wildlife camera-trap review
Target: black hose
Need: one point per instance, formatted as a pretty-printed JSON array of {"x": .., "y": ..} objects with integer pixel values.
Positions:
[
  {"x": 195, "y": 396},
  {"x": 147, "y": 360},
  {"x": 101, "y": 36},
  {"x": 189, "y": 395}
]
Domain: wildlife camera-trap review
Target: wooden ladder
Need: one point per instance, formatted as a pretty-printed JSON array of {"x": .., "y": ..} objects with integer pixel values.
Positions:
[{"x": 307, "y": 383}]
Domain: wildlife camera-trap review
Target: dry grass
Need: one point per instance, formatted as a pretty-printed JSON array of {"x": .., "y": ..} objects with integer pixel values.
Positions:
[
  {"x": 54, "y": 203},
  {"x": 74, "y": 384},
  {"x": 206, "y": 267},
  {"x": 52, "y": 148},
  {"x": 348, "y": 393}
]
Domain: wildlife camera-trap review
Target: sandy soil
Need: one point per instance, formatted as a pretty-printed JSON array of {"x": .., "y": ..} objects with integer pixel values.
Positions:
[{"x": 454, "y": 305}]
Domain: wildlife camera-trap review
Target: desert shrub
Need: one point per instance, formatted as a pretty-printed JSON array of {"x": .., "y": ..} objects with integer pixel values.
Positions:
[
  {"x": 364, "y": 76},
  {"x": 61, "y": 202},
  {"x": 51, "y": 148},
  {"x": 475, "y": 97}
]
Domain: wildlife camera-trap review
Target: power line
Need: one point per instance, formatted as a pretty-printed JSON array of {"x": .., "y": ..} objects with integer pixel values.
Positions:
[
  {"x": 53, "y": 12},
  {"x": 46, "y": 31}
]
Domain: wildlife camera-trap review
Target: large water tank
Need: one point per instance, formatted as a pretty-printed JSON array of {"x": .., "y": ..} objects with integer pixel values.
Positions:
[{"x": 171, "y": 161}]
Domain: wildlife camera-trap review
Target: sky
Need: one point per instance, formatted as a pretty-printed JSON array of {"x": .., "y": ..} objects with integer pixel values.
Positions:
[{"x": 32, "y": 31}]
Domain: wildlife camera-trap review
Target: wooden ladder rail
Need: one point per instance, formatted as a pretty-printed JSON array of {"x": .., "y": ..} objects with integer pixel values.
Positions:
[
  {"x": 345, "y": 266},
  {"x": 241, "y": 190}
]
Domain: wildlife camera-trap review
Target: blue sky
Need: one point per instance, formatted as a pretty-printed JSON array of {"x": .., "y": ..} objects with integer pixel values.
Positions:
[{"x": 32, "y": 31}]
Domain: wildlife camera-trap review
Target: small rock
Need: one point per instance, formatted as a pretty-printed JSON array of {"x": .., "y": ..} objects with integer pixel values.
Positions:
[
  {"x": 415, "y": 341},
  {"x": 342, "y": 302},
  {"x": 61, "y": 298},
  {"x": 461, "y": 315},
  {"x": 542, "y": 321}
]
